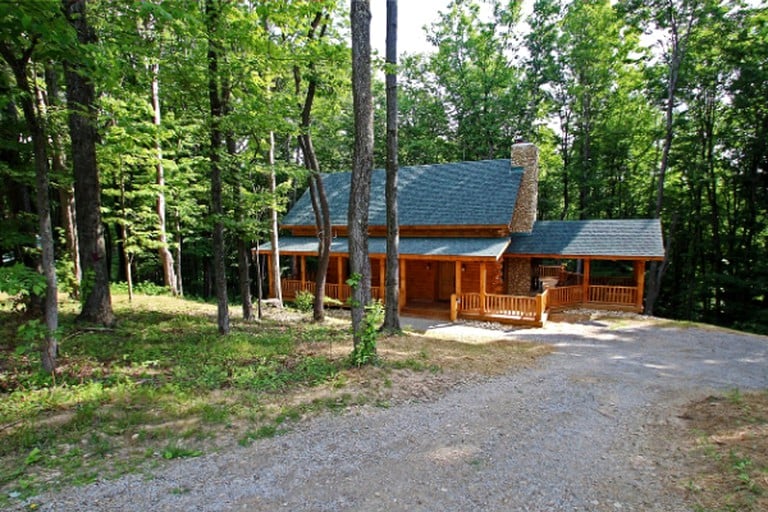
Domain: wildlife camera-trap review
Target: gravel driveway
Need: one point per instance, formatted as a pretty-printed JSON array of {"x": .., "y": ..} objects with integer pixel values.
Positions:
[{"x": 580, "y": 431}]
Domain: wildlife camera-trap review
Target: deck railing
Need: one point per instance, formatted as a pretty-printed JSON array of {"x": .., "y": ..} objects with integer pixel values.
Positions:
[
  {"x": 469, "y": 302},
  {"x": 565, "y": 296},
  {"x": 292, "y": 287},
  {"x": 520, "y": 308},
  {"x": 612, "y": 281},
  {"x": 511, "y": 305},
  {"x": 532, "y": 310},
  {"x": 549, "y": 270},
  {"x": 621, "y": 295},
  {"x": 340, "y": 292}
]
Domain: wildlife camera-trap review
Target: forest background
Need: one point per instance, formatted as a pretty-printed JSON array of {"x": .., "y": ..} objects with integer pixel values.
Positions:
[{"x": 198, "y": 118}]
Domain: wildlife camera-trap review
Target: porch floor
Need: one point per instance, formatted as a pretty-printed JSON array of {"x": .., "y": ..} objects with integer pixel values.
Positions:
[{"x": 426, "y": 309}]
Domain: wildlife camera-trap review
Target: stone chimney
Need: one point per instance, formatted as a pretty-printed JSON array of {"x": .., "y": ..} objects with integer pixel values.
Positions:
[{"x": 526, "y": 155}]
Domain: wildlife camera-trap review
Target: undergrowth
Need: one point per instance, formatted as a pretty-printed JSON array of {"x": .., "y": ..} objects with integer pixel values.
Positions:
[
  {"x": 161, "y": 385},
  {"x": 730, "y": 462}
]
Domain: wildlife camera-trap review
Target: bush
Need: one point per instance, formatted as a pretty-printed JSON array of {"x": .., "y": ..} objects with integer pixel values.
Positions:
[
  {"x": 21, "y": 283},
  {"x": 304, "y": 301}
]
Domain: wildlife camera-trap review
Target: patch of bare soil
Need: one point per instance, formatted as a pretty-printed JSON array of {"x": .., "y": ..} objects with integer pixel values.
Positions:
[
  {"x": 418, "y": 368},
  {"x": 726, "y": 445}
]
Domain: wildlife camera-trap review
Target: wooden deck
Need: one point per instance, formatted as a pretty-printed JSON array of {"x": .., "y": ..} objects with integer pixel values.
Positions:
[{"x": 527, "y": 310}]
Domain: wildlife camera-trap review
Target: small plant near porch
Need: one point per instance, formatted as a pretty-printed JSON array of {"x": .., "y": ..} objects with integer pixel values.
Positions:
[{"x": 364, "y": 351}]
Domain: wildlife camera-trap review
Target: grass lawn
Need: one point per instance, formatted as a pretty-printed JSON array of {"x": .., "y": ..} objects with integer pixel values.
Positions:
[
  {"x": 163, "y": 384},
  {"x": 728, "y": 452}
]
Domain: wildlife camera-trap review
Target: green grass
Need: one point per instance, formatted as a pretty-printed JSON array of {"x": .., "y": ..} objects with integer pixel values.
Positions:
[
  {"x": 163, "y": 384},
  {"x": 159, "y": 386}
]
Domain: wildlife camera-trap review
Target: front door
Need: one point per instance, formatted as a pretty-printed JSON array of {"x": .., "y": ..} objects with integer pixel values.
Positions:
[{"x": 446, "y": 279}]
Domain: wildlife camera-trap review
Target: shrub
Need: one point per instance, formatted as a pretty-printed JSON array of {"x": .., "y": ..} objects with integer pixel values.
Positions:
[{"x": 304, "y": 301}]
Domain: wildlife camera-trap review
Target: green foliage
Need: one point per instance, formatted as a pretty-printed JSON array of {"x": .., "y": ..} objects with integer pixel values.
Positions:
[
  {"x": 365, "y": 351},
  {"x": 304, "y": 301},
  {"x": 174, "y": 451},
  {"x": 157, "y": 367},
  {"x": 263, "y": 432},
  {"x": 143, "y": 287},
  {"x": 21, "y": 283},
  {"x": 30, "y": 333}
]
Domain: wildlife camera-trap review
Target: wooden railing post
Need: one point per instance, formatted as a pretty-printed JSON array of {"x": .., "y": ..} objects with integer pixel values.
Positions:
[
  {"x": 454, "y": 307},
  {"x": 483, "y": 278},
  {"x": 585, "y": 282},
  {"x": 457, "y": 277},
  {"x": 639, "y": 283},
  {"x": 539, "y": 309},
  {"x": 382, "y": 281}
]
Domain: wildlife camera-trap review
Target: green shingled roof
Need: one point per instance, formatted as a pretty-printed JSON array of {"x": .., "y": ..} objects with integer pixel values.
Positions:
[
  {"x": 460, "y": 193},
  {"x": 637, "y": 238},
  {"x": 467, "y": 247}
]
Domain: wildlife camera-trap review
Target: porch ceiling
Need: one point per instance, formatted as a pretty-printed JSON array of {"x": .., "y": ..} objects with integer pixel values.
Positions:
[{"x": 479, "y": 248}]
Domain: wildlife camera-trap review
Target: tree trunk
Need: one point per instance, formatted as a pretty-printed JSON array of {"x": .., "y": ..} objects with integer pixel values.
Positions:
[
  {"x": 66, "y": 190},
  {"x": 392, "y": 281},
  {"x": 37, "y": 131},
  {"x": 166, "y": 258},
  {"x": 362, "y": 163},
  {"x": 127, "y": 256},
  {"x": 316, "y": 188},
  {"x": 243, "y": 257},
  {"x": 244, "y": 270},
  {"x": 323, "y": 224},
  {"x": 217, "y": 211},
  {"x": 678, "y": 48},
  {"x": 274, "y": 239},
  {"x": 97, "y": 302},
  {"x": 179, "y": 280}
]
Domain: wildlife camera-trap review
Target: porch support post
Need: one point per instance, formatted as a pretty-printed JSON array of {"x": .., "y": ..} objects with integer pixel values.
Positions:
[
  {"x": 272, "y": 291},
  {"x": 483, "y": 279},
  {"x": 585, "y": 281},
  {"x": 457, "y": 278},
  {"x": 340, "y": 278},
  {"x": 640, "y": 283},
  {"x": 382, "y": 282},
  {"x": 403, "y": 265},
  {"x": 303, "y": 273}
]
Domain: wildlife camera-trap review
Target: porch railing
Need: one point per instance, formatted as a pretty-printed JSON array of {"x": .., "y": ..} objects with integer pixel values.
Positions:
[
  {"x": 565, "y": 296},
  {"x": 621, "y": 295},
  {"x": 513, "y": 307},
  {"x": 549, "y": 270},
  {"x": 340, "y": 292},
  {"x": 612, "y": 281}
]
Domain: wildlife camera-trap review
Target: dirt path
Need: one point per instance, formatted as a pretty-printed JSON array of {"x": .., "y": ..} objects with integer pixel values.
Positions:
[{"x": 580, "y": 431}]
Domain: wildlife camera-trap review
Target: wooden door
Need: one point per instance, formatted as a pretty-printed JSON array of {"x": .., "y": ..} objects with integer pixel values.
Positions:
[{"x": 446, "y": 279}]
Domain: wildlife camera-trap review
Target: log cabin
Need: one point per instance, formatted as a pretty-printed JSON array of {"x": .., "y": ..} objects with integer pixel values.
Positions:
[{"x": 471, "y": 246}]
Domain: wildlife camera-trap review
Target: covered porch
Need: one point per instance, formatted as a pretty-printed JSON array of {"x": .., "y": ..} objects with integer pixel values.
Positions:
[{"x": 518, "y": 279}]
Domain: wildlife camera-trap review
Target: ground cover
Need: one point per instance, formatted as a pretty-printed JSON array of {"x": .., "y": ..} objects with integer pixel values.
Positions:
[
  {"x": 727, "y": 442},
  {"x": 164, "y": 385}
]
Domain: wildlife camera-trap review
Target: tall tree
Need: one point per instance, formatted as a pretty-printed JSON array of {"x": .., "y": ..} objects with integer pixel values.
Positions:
[
  {"x": 311, "y": 162},
  {"x": 541, "y": 65},
  {"x": 473, "y": 65},
  {"x": 96, "y": 299},
  {"x": 19, "y": 60},
  {"x": 153, "y": 65},
  {"x": 392, "y": 302},
  {"x": 63, "y": 178},
  {"x": 212, "y": 13},
  {"x": 273, "y": 231},
  {"x": 675, "y": 22},
  {"x": 362, "y": 164}
]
